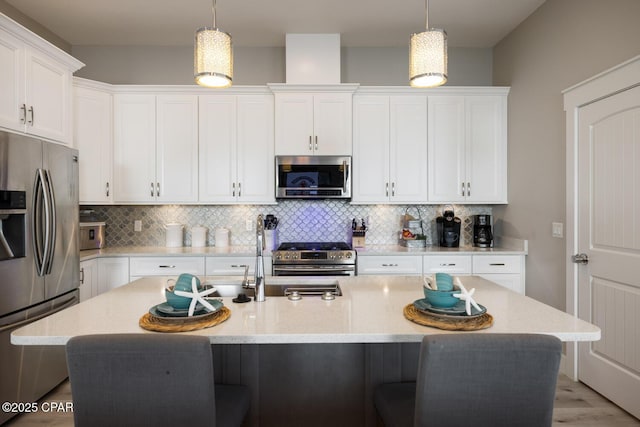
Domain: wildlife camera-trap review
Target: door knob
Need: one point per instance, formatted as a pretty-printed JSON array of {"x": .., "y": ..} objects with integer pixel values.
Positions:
[{"x": 580, "y": 258}]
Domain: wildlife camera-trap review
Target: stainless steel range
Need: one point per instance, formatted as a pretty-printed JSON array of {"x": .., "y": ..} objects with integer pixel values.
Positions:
[{"x": 314, "y": 259}]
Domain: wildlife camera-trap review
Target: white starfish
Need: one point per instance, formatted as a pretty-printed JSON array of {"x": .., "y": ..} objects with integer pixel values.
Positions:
[
  {"x": 466, "y": 296},
  {"x": 197, "y": 297}
]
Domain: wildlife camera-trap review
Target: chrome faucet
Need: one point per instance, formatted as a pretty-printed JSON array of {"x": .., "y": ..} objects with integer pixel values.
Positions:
[{"x": 258, "y": 282}]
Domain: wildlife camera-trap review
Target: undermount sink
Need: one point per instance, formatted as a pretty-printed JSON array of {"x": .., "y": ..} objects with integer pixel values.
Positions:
[{"x": 279, "y": 287}]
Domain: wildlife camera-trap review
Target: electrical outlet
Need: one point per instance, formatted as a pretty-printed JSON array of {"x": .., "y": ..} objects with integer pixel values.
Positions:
[
  {"x": 137, "y": 225},
  {"x": 557, "y": 229},
  {"x": 248, "y": 224}
]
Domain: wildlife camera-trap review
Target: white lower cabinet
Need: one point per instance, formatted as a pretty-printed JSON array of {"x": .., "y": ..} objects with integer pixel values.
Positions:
[
  {"x": 234, "y": 265},
  {"x": 506, "y": 270},
  {"x": 88, "y": 279},
  {"x": 390, "y": 265},
  {"x": 165, "y": 266},
  {"x": 112, "y": 272},
  {"x": 452, "y": 264}
]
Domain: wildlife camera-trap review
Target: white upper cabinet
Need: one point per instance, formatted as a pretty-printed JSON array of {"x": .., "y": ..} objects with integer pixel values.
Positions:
[
  {"x": 217, "y": 127},
  {"x": 309, "y": 124},
  {"x": 155, "y": 148},
  {"x": 390, "y": 149},
  {"x": 236, "y": 149},
  {"x": 177, "y": 148},
  {"x": 35, "y": 84},
  {"x": 93, "y": 137},
  {"x": 255, "y": 149},
  {"x": 370, "y": 149},
  {"x": 467, "y": 148},
  {"x": 134, "y": 148}
]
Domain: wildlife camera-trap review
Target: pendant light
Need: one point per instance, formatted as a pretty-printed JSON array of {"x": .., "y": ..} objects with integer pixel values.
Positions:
[
  {"x": 213, "y": 56},
  {"x": 428, "y": 56}
]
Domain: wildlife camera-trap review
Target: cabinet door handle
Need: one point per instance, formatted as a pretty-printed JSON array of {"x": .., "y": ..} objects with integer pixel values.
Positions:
[
  {"x": 166, "y": 266},
  {"x": 239, "y": 266},
  {"x": 462, "y": 194},
  {"x": 107, "y": 190},
  {"x": 387, "y": 188},
  {"x": 310, "y": 146},
  {"x": 152, "y": 188},
  {"x": 82, "y": 276},
  {"x": 468, "y": 189},
  {"x": 33, "y": 118},
  {"x": 239, "y": 189},
  {"x": 393, "y": 189},
  {"x": 443, "y": 264},
  {"x": 233, "y": 188},
  {"x": 157, "y": 189},
  {"x": 23, "y": 116},
  {"x": 389, "y": 265},
  {"x": 316, "y": 142},
  {"x": 497, "y": 264}
]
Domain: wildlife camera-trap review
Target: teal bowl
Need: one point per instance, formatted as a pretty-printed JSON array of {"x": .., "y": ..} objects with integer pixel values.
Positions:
[
  {"x": 444, "y": 281},
  {"x": 176, "y": 301},
  {"x": 441, "y": 299},
  {"x": 184, "y": 282}
]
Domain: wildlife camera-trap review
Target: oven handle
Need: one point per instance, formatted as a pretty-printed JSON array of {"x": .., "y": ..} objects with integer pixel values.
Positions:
[{"x": 312, "y": 269}]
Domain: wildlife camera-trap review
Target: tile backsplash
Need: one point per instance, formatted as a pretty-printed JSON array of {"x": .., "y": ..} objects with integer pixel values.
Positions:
[{"x": 299, "y": 220}]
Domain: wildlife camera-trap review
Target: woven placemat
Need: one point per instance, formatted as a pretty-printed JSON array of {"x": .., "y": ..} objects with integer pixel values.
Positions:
[
  {"x": 180, "y": 324},
  {"x": 463, "y": 324}
]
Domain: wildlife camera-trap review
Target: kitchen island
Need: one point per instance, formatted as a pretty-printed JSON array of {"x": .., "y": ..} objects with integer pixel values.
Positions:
[
  {"x": 369, "y": 311},
  {"x": 311, "y": 362}
]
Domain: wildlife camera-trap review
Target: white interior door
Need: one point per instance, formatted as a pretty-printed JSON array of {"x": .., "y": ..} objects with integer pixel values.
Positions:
[{"x": 609, "y": 234}]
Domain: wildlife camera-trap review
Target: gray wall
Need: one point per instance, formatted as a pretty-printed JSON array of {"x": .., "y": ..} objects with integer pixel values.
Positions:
[
  {"x": 33, "y": 26},
  {"x": 258, "y": 66},
  {"x": 561, "y": 44}
]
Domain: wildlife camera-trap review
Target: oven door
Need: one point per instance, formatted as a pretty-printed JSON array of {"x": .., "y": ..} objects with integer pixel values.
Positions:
[{"x": 313, "y": 270}]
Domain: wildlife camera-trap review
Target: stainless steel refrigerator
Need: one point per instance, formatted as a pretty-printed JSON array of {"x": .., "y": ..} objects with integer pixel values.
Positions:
[{"x": 39, "y": 260}]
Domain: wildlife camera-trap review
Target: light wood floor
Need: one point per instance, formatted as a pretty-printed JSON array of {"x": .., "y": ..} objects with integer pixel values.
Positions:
[{"x": 576, "y": 405}]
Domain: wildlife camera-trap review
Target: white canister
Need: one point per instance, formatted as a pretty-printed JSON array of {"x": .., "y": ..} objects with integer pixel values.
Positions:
[
  {"x": 173, "y": 235},
  {"x": 199, "y": 237},
  {"x": 222, "y": 237}
]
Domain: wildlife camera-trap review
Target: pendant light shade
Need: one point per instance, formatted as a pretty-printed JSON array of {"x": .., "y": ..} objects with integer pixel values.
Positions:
[
  {"x": 213, "y": 56},
  {"x": 428, "y": 56}
]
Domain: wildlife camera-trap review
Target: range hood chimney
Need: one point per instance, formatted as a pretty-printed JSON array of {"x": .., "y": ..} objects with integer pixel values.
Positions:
[{"x": 313, "y": 58}]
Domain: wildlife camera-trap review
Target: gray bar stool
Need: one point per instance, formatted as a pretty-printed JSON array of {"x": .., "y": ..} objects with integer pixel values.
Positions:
[
  {"x": 476, "y": 379},
  {"x": 150, "y": 380}
]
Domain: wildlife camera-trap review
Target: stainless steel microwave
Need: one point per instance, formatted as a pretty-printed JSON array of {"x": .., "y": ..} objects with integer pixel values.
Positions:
[{"x": 313, "y": 177}]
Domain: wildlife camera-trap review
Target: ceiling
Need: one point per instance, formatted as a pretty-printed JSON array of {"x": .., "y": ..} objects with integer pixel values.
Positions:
[{"x": 469, "y": 23}]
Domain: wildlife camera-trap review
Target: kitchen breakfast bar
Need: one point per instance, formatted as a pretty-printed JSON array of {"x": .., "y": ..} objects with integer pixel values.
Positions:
[{"x": 311, "y": 361}]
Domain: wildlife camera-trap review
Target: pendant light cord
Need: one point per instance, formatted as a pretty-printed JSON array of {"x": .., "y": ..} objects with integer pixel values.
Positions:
[
  {"x": 213, "y": 12},
  {"x": 426, "y": 14}
]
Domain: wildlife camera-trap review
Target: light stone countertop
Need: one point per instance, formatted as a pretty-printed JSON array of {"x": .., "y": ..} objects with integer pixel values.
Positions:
[
  {"x": 125, "y": 251},
  {"x": 394, "y": 250},
  {"x": 243, "y": 250},
  {"x": 370, "y": 311}
]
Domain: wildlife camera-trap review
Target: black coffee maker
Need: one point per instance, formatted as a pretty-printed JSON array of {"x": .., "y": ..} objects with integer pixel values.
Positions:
[
  {"x": 482, "y": 235},
  {"x": 448, "y": 226}
]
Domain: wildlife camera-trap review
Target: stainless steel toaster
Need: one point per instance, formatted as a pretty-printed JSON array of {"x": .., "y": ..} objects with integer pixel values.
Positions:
[{"x": 91, "y": 235}]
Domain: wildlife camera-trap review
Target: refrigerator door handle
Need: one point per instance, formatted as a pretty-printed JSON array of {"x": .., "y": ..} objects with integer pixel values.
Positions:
[
  {"x": 51, "y": 236},
  {"x": 71, "y": 302},
  {"x": 39, "y": 211}
]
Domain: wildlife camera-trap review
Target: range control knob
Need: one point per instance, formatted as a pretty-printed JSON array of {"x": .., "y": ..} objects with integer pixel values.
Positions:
[{"x": 348, "y": 255}]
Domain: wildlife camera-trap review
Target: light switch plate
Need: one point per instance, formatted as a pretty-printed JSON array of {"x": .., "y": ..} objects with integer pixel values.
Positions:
[
  {"x": 248, "y": 225},
  {"x": 137, "y": 225},
  {"x": 557, "y": 229}
]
